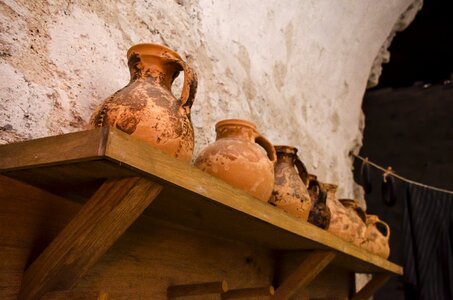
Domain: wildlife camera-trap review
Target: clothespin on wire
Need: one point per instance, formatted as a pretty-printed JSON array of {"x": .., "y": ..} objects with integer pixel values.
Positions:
[{"x": 388, "y": 187}]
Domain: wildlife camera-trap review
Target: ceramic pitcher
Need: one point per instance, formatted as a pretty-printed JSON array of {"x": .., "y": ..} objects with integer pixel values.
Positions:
[
  {"x": 375, "y": 241},
  {"x": 340, "y": 223},
  {"x": 319, "y": 211},
  {"x": 357, "y": 217},
  {"x": 290, "y": 192},
  {"x": 242, "y": 157},
  {"x": 146, "y": 107}
]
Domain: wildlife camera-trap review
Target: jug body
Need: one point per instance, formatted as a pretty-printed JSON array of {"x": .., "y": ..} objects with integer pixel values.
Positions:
[{"x": 146, "y": 107}]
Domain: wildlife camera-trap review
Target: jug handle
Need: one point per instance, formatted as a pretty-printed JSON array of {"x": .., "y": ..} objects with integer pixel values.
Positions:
[
  {"x": 303, "y": 173},
  {"x": 263, "y": 142},
  {"x": 189, "y": 88},
  {"x": 387, "y": 228},
  {"x": 322, "y": 194}
]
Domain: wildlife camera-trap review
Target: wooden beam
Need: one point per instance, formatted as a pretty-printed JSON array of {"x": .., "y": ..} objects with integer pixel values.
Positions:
[
  {"x": 99, "y": 223},
  {"x": 76, "y": 295},
  {"x": 304, "y": 273},
  {"x": 378, "y": 280},
  {"x": 197, "y": 289},
  {"x": 247, "y": 293}
]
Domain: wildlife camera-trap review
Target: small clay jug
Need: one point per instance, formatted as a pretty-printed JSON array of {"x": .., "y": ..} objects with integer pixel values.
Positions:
[
  {"x": 319, "y": 212},
  {"x": 146, "y": 107},
  {"x": 242, "y": 157},
  {"x": 340, "y": 224},
  {"x": 375, "y": 241},
  {"x": 358, "y": 220},
  {"x": 290, "y": 192}
]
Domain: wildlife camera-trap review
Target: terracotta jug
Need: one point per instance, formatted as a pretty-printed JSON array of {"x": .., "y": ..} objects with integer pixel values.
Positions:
[
  {"x": 375, "y": 241},
  {"x": 237, "y": 158},
  {"x": 319, "y": 212},
  {"x": 290, "y": 192},
  {"x": 340, "y": 224},
  {"x": 146, "y": 107},
  {"x": 358, "y": 220}
]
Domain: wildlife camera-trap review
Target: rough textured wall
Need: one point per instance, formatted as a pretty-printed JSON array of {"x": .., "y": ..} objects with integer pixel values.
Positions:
[{"x": 298, "y": 69}]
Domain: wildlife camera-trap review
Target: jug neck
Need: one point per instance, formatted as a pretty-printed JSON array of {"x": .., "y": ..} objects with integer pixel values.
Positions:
[
  {"x": 236, "y": 129},
  {"x": 286, "y": 154},
  {"x": 153, "y": 62}
]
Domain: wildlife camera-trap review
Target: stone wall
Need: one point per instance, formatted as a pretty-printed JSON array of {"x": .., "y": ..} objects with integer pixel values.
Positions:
[{"x": 298, "y": 69}]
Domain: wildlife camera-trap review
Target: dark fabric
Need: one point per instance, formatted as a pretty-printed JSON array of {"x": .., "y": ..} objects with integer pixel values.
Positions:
[{"x": 428, "y": 244}]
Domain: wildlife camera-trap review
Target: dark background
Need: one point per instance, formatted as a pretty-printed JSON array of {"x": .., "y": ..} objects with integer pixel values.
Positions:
[{"x": 409, "y": 119}]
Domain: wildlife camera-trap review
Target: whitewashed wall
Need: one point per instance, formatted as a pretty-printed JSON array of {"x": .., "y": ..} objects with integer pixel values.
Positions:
[{"x": 298, "y": 69}]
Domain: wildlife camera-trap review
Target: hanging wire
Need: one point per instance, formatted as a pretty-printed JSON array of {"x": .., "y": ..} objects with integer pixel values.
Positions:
[{"x": 389, "y": 171}]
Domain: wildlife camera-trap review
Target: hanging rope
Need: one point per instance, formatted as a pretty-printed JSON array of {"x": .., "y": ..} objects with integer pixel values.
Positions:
[{"x": 389, "y": 171}]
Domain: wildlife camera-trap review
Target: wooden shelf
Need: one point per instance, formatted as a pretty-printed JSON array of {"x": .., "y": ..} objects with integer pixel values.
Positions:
[{"x": 77, "y": 165}]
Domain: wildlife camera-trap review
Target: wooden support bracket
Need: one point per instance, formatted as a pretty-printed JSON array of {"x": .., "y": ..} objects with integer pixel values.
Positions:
[
  {"x": 378, "y": 280},
  {"x": 197, "y": 289},
  {"x": 98, "y": 224},
  {"x": 315, "y": 262},
  {"x": 246, "y": 293}
]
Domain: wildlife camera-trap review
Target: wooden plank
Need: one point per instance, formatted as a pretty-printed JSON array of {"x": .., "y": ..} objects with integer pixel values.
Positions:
[
  {"x": 151, "y": 161},
  {"x": 304, "y": 274},
  {"x": 210, "y": 199},
  {"x": 247, "y": 293},
  {"x": 197, "y": 289},
  {"x": 76, "y": 295},
  {"x": 100, "y": 222},
  {"x": 378, "y": 280},
  {"x": 66, "y": 148}
]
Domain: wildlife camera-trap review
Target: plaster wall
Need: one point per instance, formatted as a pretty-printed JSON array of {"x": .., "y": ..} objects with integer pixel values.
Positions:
[{"x": 298, "y": 69}]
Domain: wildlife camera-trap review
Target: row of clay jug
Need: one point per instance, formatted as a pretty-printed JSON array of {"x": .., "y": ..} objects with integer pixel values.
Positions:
[{"x": 241, "y": 156}]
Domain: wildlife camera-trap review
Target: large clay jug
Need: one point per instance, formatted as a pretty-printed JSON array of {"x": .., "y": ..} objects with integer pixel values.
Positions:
[
  {"x": 375, "y": 241},
  {"x": 290, "y": 192},
  {"x": 237, "y": 158},
  {"x": 340, "y": 224},
  {"x": 358, "y": 220},
  {"x": 146, "y": 107},
  {"x": 319, "y": 212}
]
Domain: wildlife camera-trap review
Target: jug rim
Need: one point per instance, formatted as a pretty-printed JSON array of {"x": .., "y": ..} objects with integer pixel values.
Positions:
[
  {"x": 285, "y": 149},
  {"x": 239, "y": 122},
  {"x": 151, "y": 49}
]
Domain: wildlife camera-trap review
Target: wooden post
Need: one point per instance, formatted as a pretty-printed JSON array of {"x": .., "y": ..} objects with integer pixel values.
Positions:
[
  {"x": 304, "y": 273},
  {"x": 378, "y": 280},
  {"x": 98, "y": 224},
  {"x": 249, "y": 292},
  {"x": 197, "y": 289}
]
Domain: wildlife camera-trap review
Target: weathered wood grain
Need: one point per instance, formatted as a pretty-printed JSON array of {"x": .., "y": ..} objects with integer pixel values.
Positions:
[
  {"x": 304, "y": 274},
  {"x": 247, "y": 293},
  {"x": 197, "y": 289},
  {"x": 191, "y": 198},
  {"x": 100, "y": 222}
]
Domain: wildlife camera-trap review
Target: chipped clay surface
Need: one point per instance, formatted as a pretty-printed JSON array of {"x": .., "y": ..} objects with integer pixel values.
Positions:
[{"x": 298, "y": 69}]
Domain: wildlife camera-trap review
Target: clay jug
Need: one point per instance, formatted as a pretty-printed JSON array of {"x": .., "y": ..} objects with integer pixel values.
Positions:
[
  {"x": 375, "y": 241},
  {"x": 237, "y": 158},
  {"x": 146, "y": 107},
  {"x": 340, "y": 224},
  {"x": 319, "y": 212},
  {"x": 290, "y": 192},
  {"x": 358, "y": 220}
]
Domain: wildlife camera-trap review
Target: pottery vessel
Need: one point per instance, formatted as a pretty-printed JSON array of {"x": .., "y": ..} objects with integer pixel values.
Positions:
[
  {"x": 340, "y": 223},
  {"x": 375, "y": 241},
  {"x": 242, "y": 157},
  {"x": 290, "y": 192},
  {"x": 319, "y": 212},
  {"x": 146, "y": 107},
  {"x": 358, "y": 220}
]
